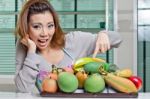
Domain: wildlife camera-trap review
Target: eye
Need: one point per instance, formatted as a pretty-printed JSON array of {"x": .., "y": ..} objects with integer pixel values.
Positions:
[
  {"x": 36, "y": 27},
  {"x": 50, "y": 26}
]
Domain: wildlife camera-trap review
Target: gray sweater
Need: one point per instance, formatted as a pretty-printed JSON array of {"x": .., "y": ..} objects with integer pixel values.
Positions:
[{"x": 78, "y": 44}]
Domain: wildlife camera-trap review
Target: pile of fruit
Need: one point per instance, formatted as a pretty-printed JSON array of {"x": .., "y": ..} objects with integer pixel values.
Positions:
[{"x": 89, "y": 74}]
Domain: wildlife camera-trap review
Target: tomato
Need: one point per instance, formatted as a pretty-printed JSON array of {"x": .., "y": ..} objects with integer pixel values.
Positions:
[{"x": 137, "y": 81}]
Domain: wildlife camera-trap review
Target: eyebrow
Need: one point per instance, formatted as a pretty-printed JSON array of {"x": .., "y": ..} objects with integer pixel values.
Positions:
[
  {"x": 32, "y": 23},
  {"x": 51, "y": 23}
]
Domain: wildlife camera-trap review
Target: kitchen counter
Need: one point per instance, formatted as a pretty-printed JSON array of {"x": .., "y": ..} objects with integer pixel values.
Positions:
[{"x": 13, "y": 95}]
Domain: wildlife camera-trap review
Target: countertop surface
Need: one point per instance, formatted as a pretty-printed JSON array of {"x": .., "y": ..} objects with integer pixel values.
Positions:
[{"x": 13, "y": 95}]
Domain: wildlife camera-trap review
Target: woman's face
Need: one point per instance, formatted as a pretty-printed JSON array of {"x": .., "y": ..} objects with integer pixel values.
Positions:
[{"x": 41, "y": 29}]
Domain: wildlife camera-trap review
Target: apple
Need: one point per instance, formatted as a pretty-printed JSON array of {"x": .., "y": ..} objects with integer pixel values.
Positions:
[{"x": 137, "y": 81}]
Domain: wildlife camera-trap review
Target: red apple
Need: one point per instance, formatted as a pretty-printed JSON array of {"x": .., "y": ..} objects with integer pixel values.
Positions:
[{"x": 137, "y": 81}]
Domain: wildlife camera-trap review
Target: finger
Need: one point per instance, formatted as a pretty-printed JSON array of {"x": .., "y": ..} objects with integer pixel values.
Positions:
[
  {"x": 105, "y": 47},
  {"x": 27, "y": 36},
  {"x": 96, "y": 51},
  {"x": 102, "y": 48},
  {"x": 108, "y": 45},
  {"x": 24, "y": 41}
]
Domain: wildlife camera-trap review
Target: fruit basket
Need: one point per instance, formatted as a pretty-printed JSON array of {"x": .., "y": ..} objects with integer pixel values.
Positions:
[{"x": 88, "y": 78}]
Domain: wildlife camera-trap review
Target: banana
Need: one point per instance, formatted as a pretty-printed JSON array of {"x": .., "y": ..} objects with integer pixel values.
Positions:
[
  {"x": 98, "y": 60},
  {"x": 124, "y": 73},
  {"x": 78, "y": 65}
]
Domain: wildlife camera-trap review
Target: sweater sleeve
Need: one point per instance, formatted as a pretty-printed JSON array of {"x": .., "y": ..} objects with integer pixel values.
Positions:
[
  {"x": 80, "y": 43},
  {"x": 83, "y": 44},
  {"x": 115, "y": 39},
  {"x": 26, "y": 69}
]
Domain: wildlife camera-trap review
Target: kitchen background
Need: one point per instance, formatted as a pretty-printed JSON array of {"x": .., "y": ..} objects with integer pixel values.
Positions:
[{"x": 129, "y": 17}]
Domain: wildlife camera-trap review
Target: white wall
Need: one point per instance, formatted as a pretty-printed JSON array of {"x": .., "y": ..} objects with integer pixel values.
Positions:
[
  {"x": 126, "y": 56},
  {"x": 7, "y": 83}
]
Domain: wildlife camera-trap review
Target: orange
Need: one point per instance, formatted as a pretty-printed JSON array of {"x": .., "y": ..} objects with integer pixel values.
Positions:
[{"x": 49, "y": 85}]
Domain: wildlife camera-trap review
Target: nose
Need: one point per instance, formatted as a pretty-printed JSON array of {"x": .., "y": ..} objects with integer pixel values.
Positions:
[{"x": 44, "y": 32}]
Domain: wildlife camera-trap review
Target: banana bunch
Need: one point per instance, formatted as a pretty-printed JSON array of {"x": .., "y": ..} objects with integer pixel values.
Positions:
[{"x": 79, "y": 64}]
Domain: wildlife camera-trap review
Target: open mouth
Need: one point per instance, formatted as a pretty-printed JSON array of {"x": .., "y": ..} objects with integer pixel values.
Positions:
[{"x": 42, "y": 42}]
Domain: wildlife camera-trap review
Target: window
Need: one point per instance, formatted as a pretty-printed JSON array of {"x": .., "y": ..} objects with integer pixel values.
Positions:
[
  {"x": 144, "y": 42},
  {"x": 7, "y": 39}
]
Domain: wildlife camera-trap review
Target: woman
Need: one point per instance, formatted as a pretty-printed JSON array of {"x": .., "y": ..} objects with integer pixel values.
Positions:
[{"x": 42, "y": 43}]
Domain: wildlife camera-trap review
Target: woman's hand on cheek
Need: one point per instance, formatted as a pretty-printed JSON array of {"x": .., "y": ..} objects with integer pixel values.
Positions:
[
  {"x": 102, "y": 43},
  {"x": 29, "y": 43}
]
